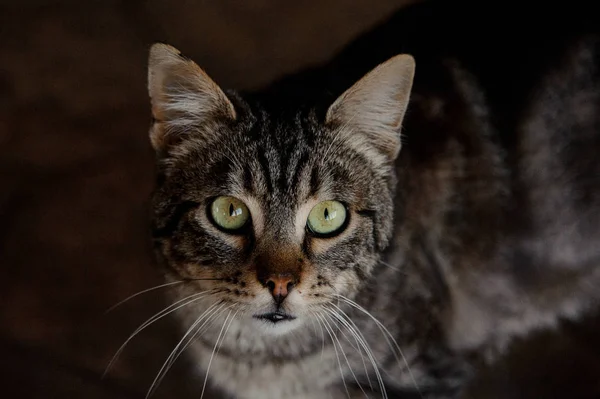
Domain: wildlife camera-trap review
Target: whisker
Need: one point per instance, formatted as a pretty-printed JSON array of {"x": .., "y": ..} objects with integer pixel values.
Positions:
[
  {"x": 336, "y": 354},
  {"x": 155, "y": 382},
  {"x": 312, "y": 319},
  {"x": 386, "y": 333},
  {"x": 214, "y": 308},
  {"x": 322, "y": 339},
  {"x": 186, "y": 280},
  {"x": 394, "y": 268},
  {"x": 358, "y": 348},
  {"x": 345, "y": 357},
  {"x": 215, "y": 350},
  {"x": 169, "y": 309},
  {"x": 205, "y": 325},
  {"x": 353, "y": 328},
  {"x": 140, "y": 293}
]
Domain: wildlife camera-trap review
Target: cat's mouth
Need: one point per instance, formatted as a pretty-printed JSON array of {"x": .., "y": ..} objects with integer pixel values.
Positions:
[{"x": 275, "y": 317}]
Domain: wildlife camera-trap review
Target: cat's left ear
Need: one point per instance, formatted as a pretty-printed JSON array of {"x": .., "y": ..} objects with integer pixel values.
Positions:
[{"x": 375, "y": 106}]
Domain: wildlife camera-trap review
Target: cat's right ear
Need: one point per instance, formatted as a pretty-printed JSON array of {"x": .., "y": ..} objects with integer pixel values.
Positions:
[
  {"x": 184, "y": 98},
  {"x": 374, "y": 107}
]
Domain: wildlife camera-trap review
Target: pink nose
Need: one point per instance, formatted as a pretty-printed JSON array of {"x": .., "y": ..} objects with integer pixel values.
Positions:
[{"x": 280, "y": 286}]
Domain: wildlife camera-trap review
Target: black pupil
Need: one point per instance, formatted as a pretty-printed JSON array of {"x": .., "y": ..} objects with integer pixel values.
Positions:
[
  {"x": 231, "y": 209},
  {"x": 326, "y": 213}
]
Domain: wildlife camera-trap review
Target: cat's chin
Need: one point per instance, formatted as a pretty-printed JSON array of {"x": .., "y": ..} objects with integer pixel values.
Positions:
[{"x": 269, "y": 325}]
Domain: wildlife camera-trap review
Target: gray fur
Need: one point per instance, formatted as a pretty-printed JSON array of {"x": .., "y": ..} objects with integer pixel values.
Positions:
[{"x": 431, "y": 250}]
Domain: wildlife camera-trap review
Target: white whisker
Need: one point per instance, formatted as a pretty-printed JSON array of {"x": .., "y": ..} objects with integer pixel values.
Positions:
[
  {"x": 393, "y": 267},
  {"x": 312, "y": 320},
  {"x": 336, "y": 353},
  {"x": 206, "y": 315},
  {"x": 322, "y": 339},
  {"x": 345, "y": 357},
  {"x": 214, "y": 350},
  {"x": 169, "y": 309},
  {"x": 349, "y": 324},
  {"x": 205, "y": 325},
  {"x": 140, "y": 293},
  {"x": 386, "y": 333},
  {"x": 166, "y": 365},
  {"x": 358, "y": 348}
]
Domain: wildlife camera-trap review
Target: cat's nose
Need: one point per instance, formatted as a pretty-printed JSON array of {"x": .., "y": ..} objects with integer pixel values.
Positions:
[{"x": 280, "y": 285}]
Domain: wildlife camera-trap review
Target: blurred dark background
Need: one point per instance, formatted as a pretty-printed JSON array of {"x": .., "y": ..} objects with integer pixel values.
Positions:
[{"x": 76, "y": 170}]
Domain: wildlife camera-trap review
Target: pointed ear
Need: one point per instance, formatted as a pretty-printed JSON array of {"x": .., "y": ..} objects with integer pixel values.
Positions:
[
  {"x": 376, "y": 104},
  {"x": 183, "y": 97}
]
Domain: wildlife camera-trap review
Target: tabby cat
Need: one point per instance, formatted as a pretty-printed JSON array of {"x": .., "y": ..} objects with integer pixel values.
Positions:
[{"x": 339, "y": 236}]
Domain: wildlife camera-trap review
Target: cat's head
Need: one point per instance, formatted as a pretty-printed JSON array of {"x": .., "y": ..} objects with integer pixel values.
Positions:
[{"x": 272, "y": 215}]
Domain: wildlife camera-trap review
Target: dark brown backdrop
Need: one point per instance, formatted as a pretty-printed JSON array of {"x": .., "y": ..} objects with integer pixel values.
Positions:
[{"x": 76, "y": 169}]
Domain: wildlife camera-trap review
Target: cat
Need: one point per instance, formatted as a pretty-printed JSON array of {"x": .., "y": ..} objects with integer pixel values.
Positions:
[{"x": 363, "y": 228}]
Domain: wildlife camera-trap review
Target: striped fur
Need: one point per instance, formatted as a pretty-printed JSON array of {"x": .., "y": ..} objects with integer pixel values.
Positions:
[{"x": 482, "y": 229}]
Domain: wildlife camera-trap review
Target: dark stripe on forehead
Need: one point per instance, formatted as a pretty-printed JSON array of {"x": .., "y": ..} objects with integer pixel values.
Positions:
[
  {"x": 263, "y": 162},
  {"x": 308, "y": 129},
  {"x": 303, "y": 148},
  {"x": 285, "y": 140},
  {"x": 283, "y": 175},
  {"x": 298, "y": 170}
]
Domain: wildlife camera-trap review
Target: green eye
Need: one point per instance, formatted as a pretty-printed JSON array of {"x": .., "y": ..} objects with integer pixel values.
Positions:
[
  {"x": 229, "y": 213},
  {"x": 327, "y": 218}
]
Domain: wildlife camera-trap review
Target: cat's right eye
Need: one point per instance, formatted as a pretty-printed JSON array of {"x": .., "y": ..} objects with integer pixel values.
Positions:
[{"x": 229, "y": 213}]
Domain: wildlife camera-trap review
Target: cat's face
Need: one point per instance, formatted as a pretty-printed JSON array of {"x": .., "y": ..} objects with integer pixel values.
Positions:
[{"x": 273, "y": 216}]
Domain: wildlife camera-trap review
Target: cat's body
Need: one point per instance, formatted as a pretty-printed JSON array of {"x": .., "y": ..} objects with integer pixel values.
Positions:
[{"x": 495, "y": 194}]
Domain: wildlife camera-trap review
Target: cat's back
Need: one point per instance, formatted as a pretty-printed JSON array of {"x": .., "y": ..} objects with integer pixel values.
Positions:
[{"x": 505, "y": 114}]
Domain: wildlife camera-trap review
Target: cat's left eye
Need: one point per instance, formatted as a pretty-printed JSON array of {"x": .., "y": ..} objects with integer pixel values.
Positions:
[
  {"x": 229, "y": 213},
  {"x": 327, "y": 218}
]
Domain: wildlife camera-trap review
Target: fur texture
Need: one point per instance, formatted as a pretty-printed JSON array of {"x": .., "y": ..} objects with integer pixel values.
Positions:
[{"x": 483, "y": 227}]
